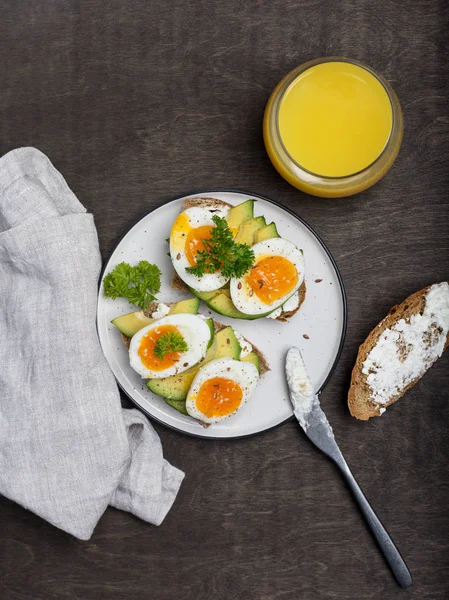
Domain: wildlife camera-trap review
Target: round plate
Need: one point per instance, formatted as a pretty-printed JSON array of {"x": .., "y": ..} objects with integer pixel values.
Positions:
[{"x": 318, "y": 328}]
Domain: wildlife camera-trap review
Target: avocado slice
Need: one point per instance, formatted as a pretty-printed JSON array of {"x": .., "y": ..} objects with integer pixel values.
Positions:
[
  {"x": 131, "y": 323},
  {"x": 266, "y": 233},
  {"x": 189, "y": 306},
  {"x": 176, "y": 387},
  {"x": 210, "y": 322},
  {"x": 240, "y": 213},
  {"x": 207, "y": 296},
  {"x": 179, "y": 405},
  {"x": 247, "y": 230},
  {"x": 223, "y": 305},
  {"x": 252, "y": 357}
]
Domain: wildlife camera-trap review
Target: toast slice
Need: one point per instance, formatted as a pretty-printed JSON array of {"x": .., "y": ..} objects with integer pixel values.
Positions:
[
  {"x": 202, "y": 202},
  {"x": 361, "y": 397},
  {"x": 263, "y": 364}
]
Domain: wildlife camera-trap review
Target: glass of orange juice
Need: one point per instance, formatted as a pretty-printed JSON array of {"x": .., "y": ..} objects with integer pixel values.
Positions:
[{"x": 333, "y": 127}]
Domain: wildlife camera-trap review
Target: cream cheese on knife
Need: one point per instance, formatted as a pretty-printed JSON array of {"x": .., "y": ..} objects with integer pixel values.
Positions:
[{"x": 301, "y": 388}]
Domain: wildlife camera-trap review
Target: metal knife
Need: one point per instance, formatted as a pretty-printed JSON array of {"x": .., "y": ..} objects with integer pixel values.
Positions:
[{"x": 314, "y": 422}]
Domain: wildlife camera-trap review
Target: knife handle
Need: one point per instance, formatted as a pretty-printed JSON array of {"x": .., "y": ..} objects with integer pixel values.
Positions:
[{"x": 386, "y": 545}]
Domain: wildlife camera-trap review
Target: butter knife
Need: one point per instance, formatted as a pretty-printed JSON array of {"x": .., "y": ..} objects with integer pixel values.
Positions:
[{"x": 312, "y": 419}]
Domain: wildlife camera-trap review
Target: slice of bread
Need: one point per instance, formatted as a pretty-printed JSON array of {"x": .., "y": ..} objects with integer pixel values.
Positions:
[
  {"x": 264, "y": 367},
  {"x": 178, "y": 284},
  {"x": 360, "y": 401}
]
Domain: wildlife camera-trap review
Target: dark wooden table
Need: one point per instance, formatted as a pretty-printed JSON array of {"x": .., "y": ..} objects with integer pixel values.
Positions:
[{"x": 136, "y": 101}]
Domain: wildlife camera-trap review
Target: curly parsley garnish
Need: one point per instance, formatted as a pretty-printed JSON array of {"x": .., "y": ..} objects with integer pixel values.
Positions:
[
  {"x": 138, "y": 284},
  {"x": 170, "y": 342},
  {"x": 222, "y": 253}
]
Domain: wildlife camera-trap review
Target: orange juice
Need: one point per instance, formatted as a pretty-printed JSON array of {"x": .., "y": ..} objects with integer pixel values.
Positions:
[
  {"x": 335, "y": 119},
  {"x": 333, "y": 127}
]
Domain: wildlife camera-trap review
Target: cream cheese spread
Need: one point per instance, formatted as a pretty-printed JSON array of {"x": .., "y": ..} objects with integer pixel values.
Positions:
[
  {"x": 292, "y": 303},
  {"x": 300, "y": 386},
  {"x": 162, "y": 310},
  {"x": 244, "y": 344},
  {"x": 289, "y": 305}
]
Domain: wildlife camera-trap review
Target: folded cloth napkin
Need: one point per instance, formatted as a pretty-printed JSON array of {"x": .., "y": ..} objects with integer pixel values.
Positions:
[{"x": 67, "y": 449}]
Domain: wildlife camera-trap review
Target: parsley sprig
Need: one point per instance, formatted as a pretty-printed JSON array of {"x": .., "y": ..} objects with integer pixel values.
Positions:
[
  {"x": 222, "y": 253},
  {"x": 170, "y": 342},
  {"x": 138, "y": 284}
]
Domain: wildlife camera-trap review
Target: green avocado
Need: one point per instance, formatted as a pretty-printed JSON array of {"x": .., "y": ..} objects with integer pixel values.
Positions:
[
  {"x": 240, "y": 213},
  {"x": 176, "y": 387},
  {"x": 248, "y": 229},
  {"x": 207, "y": 296},
  {"x": 131, "y": 323},
  {"x": 210, "y": 323},
  {"x": 223, "y": 305},
  {"x": 266, "y": 233},
  {"x": 189, "y": 306},
  {"x": 252, "y": 358},
  {"x": 179, "y": 405}
]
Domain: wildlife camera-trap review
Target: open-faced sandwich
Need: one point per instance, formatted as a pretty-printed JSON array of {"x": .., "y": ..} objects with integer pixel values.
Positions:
[
  {"x": 399, "y": 351},
  {"x": 201, "y": 368},
  {"x": 236, "y": 262}
]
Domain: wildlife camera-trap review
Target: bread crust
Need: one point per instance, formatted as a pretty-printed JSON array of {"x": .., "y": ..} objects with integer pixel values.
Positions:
[
  {"x": 288, "y": 314},
  {"x": 359, "y": 396},
  {"x": 178, "y": 284},
  {"x": 204, "y": 202}
]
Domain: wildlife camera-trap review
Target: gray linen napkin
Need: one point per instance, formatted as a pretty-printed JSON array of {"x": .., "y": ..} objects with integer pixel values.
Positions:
[{"x": 67, "y": 449}]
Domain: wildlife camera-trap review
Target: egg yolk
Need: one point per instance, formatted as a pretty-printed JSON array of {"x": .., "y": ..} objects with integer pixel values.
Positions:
[
  {"x": 189, "y": 239},
  {"x": 146, "y": 349},
  {"x": 219, "y": 397},
  {"x": 194, "y": 242},
  {"x": 179, "y": 231},
  {"x": 271, "y": 278}
]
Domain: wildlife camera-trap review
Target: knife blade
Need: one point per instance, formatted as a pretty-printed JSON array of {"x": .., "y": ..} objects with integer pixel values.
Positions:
[{"x": 311, "y": 417}]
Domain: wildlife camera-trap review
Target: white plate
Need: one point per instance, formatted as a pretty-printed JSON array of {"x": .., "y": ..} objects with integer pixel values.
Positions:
[{"x": 322, "y": 318}]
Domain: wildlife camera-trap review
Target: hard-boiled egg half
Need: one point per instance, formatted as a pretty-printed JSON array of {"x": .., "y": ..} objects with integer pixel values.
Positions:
[
  {"x": 191, "y": 227},
  {"x": 220, "y": 388},
  {"x": 193, "y": 330},
  {"x": 277, "y": 273}
]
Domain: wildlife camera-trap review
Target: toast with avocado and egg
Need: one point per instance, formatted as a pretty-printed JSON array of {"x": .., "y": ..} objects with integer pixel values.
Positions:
[
  {"x": 209, "y": 377},
  {"x": 236, "y": 262},
  {"x": 399, "y": 351}
]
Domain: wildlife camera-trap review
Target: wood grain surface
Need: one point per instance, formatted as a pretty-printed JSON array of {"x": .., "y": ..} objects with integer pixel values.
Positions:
[{"x": 136, "y": 101}]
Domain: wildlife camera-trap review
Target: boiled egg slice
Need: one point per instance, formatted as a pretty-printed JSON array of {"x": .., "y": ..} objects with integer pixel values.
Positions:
[
  {"x": 142, "y": 358},
  {"x": 277, "y": 273},
  {"x": 190, "y": 228},
  {"x": 220, "y": 388}
]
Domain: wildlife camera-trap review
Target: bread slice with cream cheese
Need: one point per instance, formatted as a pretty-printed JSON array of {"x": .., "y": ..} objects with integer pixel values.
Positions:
[{"x": 399, "y": 351}]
